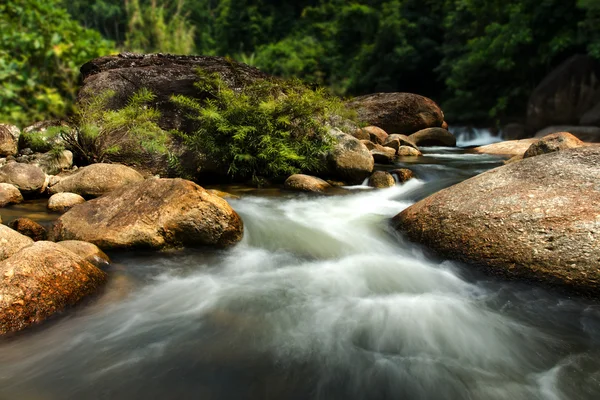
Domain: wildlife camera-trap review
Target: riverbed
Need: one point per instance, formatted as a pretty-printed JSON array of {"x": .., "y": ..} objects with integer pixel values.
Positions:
[{"x": 320, "y": 300}]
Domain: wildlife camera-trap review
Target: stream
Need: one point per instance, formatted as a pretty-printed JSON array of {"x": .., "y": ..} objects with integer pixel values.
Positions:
[{"x": 320, "y": 300}]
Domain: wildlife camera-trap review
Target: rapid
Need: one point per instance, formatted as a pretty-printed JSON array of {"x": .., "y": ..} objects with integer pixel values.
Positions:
[{"x": 321, "y": 300}]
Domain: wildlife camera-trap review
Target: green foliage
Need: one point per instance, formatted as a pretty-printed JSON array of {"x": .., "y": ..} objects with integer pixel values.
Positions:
[
  {"x": 44, "y": 140},
  {"x": 269, "y": 129},
  {"x": 41, "y": 50},
  {"x": 128, "y": 134}
]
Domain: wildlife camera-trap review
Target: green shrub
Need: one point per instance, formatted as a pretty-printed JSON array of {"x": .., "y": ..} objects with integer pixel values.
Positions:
[
  {"x": 44, "y": 140},
  {"x": 128, "y": 134},
  {"x": 268, "y": 129}
]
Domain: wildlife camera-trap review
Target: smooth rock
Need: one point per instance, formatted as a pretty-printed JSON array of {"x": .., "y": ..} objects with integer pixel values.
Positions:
[
  {"x": 403, "y": 139},
  {"x": 9, "y": 134},
  {"x": 381, "y": 179},
  {"x": 404, "y": 113},
  {"x": 88, "y": 251},
  {"x": 553, "y": 142},
  {"x": 156, "y": 213},
  {"x": 361, "y": 134},
  {"x": 584, "y": 133},
  {"x": 537, "y": 219},
  {"x": 376, "y": 134},
  {"x": 29, "y": 179},
  {"x": 506, "y": 148},
  {"x": 403, "y": 174},
  {"x": 62, "y": 202},
  {"x": 306, "y": 183},
  {"x": 9, "y": 194},
  {"x": 41, "y": 280},
  {"x": 29, "y": 228},
  {"x": 97, "y": 179},
  {"x": 383, "y": 155},
  {"x": 433, "y": 137},
  {"x": 406, "y": 151},
  {"x": 11, "y": 242},
  {"x": 349, "y": 160}
]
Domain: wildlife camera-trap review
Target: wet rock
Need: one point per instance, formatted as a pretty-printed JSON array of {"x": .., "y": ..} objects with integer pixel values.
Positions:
[
  {"x": 508, "y": 148},
  {"x": 349, "y": 160},
  {"x": 553, "y": 142},
  {"x": 29, "y": 228},
  {"x": 29, "y": 179},
  {"x": 156, "y": 213},
  {"x": 406, "y": 151},
  {"x": 9, "y": 134},
  {"x": 88, "y": 251},
  {"x": 11, "y": 242},
  {"x": 9, "y": 194},
  {"x": 97, "y": 179},
  {"x": 223, "y": 195},
  {"x": 433, "y": 137},
  {"x": 62, "y": 202},
  {"x": 404, "y": 113},
  {"x": 381, "y": 179},
  {"x": 41, "y": 280},
  {"x": 306, "y": 183},
  {"x": 375, "y": 134},
  {"x": 403, "y": 174},
  {"x": 537, "y": 219}
]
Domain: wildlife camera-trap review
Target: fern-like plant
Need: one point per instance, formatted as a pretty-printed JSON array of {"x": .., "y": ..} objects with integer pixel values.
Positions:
[
  {"x": 128, "y": 134},
  {"x": 268, "y": 129}
]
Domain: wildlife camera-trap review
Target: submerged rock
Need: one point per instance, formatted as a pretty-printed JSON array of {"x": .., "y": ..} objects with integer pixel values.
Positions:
[
  {"x": 29, "y": 228},
  {"x": 62, "y": 202},
  {"x": 9, "y": 194},
  {"x": 535, "y": 219},
  {"x": 404, "y": 113},
  {"x": 433, "y": 137},
  {"x": 381, "y": 179},
  {"x": 553, "y": 142},
  {"x": 97, "y": 179},
  {"x": 41, "y": 280},
  {"x": 11, "y": 242},
  {"x": 29, "y": 179},
  {"x": 306, "y": 183},
  {"x": 155, "y": 213},
  {"x": 350, "y": 160}
]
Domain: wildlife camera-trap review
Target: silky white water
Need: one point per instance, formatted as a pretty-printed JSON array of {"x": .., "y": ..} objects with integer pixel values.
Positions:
[{"x": 321, "y": 300}]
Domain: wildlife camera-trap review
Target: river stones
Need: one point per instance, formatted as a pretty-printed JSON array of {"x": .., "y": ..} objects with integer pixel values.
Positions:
[
  {"x": 553, "y": 142},
  {"x": 506, "y": 148},
  {"x": 381, "y": 179},
  {"x": 9, "y": 194},
  {"x": 433, "y": 137},
  {"x": 11, "y": 242},
  {"x": 39, "y": 281},
  {"x": 349, "y": 160},
  {"x": 88, "y": 251},
  {"x": 306, "y": 183},
  {"x": 156, "y": 213},
  {"x": 29, "y": 179},
  {"x": 404, "y": 113},
  {"x": 407, "y": 151},
  {"x": 97, "y": 179},
  {"x": 375, "y": 134},
  {"x": 29, "y": 228},
  {"x": 61, "y": 202},
  {"x": 403, "y": 174},
  {"x": 536, "y": 219}
]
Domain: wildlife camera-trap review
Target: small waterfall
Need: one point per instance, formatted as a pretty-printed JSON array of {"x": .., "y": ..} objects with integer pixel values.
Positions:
[{"x": 467, "y": 136}]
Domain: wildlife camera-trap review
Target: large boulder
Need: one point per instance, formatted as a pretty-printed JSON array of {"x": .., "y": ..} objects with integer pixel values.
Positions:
[
  {"x": 41, "y": 280},
  {"x": 398, "y": 112},
  {"x": 29, "y": 179},
  {"x": 9, "y": 136},
  {"x": 585, "y": 133},
  {"x": 553, "y": 142},
  {"x": 156, "y": 213},
  {"x": 97, "y": 179},
  {"x": 433, "y": 137},
  {"x": 11, "y": 242},
  {"x": 381, "y": 179},
  {"x": 306, "y": 183},
  {"x": 165, "y": 75},
  {"x": 535, "y": 219},
  {"x": 9, "y": 194},
  {"x": 566, "y": 94},
  {"x": 349, "y": 160},
  {"x": 62, "y": 202},
  {"x": 506, "y": 148}
]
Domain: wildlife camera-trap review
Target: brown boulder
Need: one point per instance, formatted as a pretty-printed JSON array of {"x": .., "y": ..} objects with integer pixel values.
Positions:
[
  {"x": 350, "y": 160},
  {"x": 306, "y": 183},
  {"x": 383, "y": 155},
  {"x": 62, "y": 202},
  {"x": 381, "y": 179},
  {"x": 368, "y": 144},
  {"x": 553, "y": 142},
  {"x": 403, "y": 174},
  {"x": 401, "y": 140},
  {"x": 9, "y": 194},
  {"x": 88, "y": 251},
  {"x": 407, "y": 151},
  {"x": 398, "y": 112},
  {"x": 506, "y": 148},
  {"x": 29, "y": 228},
  {"x": 585, "y": 133},
  {"x": 11, "y": 242},
  {"x": 29, "y": 179},
  {"x": 9, "y": 135},
  {"x": 433, "y": 137},
  {"x": 41, "y": 280},
  {"x": 376, "y": 134},
  {"x": 96, "y": 180},
  {"x": 361, "y": 134},
  {"x": 535, "y": 219},
  {"x": 155, "y": 213}
]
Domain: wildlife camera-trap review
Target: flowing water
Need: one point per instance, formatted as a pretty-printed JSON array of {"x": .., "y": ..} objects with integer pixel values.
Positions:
[{"x": 321, "y": 300}]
